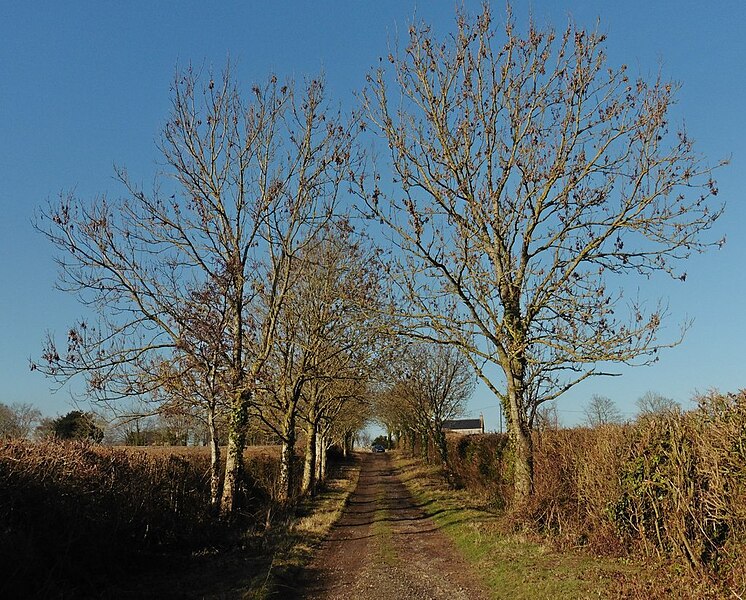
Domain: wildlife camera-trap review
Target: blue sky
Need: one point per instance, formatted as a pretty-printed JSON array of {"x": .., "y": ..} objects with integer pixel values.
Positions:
[{"x": 85, "y": 85}]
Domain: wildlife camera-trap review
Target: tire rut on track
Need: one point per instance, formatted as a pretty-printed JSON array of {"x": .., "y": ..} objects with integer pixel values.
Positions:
[{"x": 384, "y": 547}]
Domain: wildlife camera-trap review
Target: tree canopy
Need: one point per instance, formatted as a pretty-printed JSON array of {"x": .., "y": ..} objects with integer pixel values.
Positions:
[{"x": 533, "y": 183}]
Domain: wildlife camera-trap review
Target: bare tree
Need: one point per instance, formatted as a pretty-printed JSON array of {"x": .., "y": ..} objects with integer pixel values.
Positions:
[
  {"x": 18, "y": 420},
  {"x": 653, "y": 403},
  {"x": 546, "y": 417},
  {"x": 601, "y": 410},
  {"x": 531, "y": 180},
  {"x": 435, "y": 387},
  {"x": 250, "y": 180},
  {"x": 347, "y": 312},
  {"x": 392, "y": 414},
  {"x": 326, "y": 335},
  {"x": 337, "y": 407},
  {"x": 193, "y": 380}
]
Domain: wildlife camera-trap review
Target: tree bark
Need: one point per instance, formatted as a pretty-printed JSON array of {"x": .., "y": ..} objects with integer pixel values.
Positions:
[
  {"x": 287, "y": 457},
  {"x": 322, "y": 458},
  {"x": 348, "y": 443},
  {"x": 318, "y": 455},
  {"x": 215, "y": 478},
  {"x": 234, "y": 455},
  {"x": 520, "y": 435},
  {"x": 309, "y": 466}
]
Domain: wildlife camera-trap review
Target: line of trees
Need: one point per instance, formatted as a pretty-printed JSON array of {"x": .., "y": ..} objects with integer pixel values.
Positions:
[
  {"x": 24, "y": 421},
  {"x": 431, "y": 385},
  {"x": 18, "y": 420},
  {"x": 202, "y": 287},
  {"x": 601, "y": 410},
  {"x": 531, "y": 180}
]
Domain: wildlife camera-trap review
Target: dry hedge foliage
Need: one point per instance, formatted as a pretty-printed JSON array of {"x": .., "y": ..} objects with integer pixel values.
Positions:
[
  {"x": 482, "y": 463},
  {"x": 683, "y": 485},
  {"x": 671, "y": 485},
  {"x": 576, "y": 478},
  {"x": 75, "y": 515}
]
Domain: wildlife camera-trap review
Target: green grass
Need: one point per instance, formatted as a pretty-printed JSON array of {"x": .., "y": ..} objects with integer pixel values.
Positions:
[
  {"x": 382, "y": 531},
  {"x": 512, "y": 565}
]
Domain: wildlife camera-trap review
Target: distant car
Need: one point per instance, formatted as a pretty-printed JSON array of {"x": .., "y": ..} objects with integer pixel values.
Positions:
[{"x": 378, "y": 448}]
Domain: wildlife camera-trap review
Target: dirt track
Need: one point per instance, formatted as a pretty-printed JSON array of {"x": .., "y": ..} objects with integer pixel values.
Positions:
[{"x": 383, "y": 547}]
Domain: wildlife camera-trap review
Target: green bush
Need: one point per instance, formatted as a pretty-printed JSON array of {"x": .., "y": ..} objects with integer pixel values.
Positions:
[{"x": 77, "y": 425}]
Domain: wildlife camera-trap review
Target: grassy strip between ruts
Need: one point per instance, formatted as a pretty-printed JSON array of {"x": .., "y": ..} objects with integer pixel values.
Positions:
[
  {"x": 515, "y": 566},
  {"x": 292, "y": 548},
  {"x": 382, "y": 533}
]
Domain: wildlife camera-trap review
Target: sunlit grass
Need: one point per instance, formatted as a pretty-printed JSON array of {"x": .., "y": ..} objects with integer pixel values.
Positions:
[
  {"x": 292, "y": 548},
  {"x": 382, "y": 531},
  {"x": 510, "y": 565},
  {"x": 325, "y": 509}
]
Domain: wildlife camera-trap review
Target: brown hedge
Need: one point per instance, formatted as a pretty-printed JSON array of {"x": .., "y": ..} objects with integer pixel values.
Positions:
[
  {"x": 76, "y": 515},
  {"x": 671, "y": 485}
]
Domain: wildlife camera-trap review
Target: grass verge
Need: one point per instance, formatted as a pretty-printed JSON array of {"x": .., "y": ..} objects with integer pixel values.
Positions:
[
  {"x": 519, "y": 566},
  {"x": 290, "y": 548}
]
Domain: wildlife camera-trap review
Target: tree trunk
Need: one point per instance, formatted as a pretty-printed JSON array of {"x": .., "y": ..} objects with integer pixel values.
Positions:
[
  {"x": 309, "y": 466},
  {"x": 318, "y": 455},
  {"x": 348, "y": 444},
  {"x": 520, "y": 435},
  {"x": 322, "y": 458},
  {"x": 214, "y": 459},
  {"x": 234, "y": 455},
  {"x": 524, "y": 464},
  {"x": 287, "y": 457},
  {"x": 441, "y": 445}
]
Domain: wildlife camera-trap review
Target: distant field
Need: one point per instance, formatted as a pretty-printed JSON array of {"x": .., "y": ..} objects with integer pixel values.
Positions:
[{"x": 250, "y": 451}]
